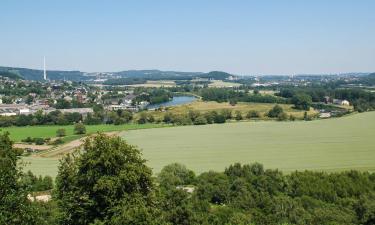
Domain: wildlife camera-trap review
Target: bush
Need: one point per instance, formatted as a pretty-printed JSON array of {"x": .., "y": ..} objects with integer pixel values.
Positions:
[
  {"x": 227, "y": 113},
  {"x": 58, "y": 141},
  {"x": 238, "y": 115},
  {"x": 252, "y": 114},
  {"x": 60, "y": 132},
  {"x": 219, "y": 118},
  {"x": 200, "y": 120},
  {"x": 39, "y": 141},
  {"x": 28, "y": 140},
  {"x": 282, "y": 116},
  {"x": 79, "y": 128},
  {"x": 275, "y": 111}
]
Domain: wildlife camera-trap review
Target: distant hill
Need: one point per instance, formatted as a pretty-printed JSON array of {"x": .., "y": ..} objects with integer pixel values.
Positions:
[
  {"x": 158, "y": 74},
  {"x": 369, "y": 79},
  {"x": 217, "y": 75},
  {"x": 10, "y": 75},
  {"x": 32, "y": 74}
]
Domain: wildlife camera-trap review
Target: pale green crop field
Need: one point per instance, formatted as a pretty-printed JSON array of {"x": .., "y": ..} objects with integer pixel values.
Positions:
[{"x": 330, "y": 145}]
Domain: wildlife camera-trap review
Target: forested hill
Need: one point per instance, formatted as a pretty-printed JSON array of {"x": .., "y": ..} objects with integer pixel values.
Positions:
[
  {"x": 32, "y": 74},
  {"x": 369, "y": 79},
  {"x": 10, "y": 75}
]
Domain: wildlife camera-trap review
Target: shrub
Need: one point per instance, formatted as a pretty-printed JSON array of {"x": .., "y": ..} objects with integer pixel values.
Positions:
[
  {"x": 60, "y": 132},
  {"x": 39, "y": 141},
  {"x": 252, "y": 114},
  {"x": 227, "y": 113},
  {"x": 275, "y": 111},
  {"x": 219, "y": 118},
  {"x": 282, "y": 116},
  {"x": 200, "y": 120},
  {"x": 238, "y": 115},
  {"x": 58, "y": 141},
  {"x": 79, "y": 128},
  {"x": 28, "y": 140}
]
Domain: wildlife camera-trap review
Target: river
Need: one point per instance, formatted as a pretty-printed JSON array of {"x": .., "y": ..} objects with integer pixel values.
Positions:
[{"x": 176, "y": 100}]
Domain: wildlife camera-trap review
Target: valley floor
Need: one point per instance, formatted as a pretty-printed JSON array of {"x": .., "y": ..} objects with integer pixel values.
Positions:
[{"x": 327, "y": 145}]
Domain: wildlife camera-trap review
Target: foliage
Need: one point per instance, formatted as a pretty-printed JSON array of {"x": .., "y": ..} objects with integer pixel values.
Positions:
[
  {"x": 174, "y": 175},
  {"x": 61, "y": 132},
  {"x": 79, "y": 128},
  {"x": 35, "y": 183},
  {"x": 91, "y": 186},
  {"x": 302, "y": 101},
  {"x": 252, "y": 114},
  {"x": 14, "y": 206},
  {"x": 275, "y": 111}
]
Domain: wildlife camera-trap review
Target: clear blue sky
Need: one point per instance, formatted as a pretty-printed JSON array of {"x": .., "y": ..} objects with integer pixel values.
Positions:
[{"x": 242, "y": 37}]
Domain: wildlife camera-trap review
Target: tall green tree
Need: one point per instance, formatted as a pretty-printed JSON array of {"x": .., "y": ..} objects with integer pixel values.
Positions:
[
  {"x": 96, "y": 183},
  {"x": 15, "y": 208}
]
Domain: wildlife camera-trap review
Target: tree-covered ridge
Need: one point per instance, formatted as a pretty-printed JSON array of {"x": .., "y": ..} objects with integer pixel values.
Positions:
[
  {"x": 10, "y": 75},
  {"x": 33, "y": 74}
]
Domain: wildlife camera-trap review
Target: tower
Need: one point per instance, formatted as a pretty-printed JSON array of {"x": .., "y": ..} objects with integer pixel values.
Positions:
[{"x": 44, "y": 72}]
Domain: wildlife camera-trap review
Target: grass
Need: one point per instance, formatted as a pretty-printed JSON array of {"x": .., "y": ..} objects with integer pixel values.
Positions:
[
  {"x": 325, "y": 145},
  {"x": 220, "y": 83},
  {"x": 156, "y": 83},
  {"x": 244, "y": 107},
  {"x": 19, "y": 133}
]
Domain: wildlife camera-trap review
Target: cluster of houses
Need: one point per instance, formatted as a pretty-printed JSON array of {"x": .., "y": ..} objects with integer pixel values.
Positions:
[
  {"x": 323, "y": 113},
  {"x": 24, "y": 109},
  {"x": 79, "y": 94}
]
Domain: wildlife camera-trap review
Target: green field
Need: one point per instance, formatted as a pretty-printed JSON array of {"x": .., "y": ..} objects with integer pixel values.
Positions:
[
  {"x": 330, "y": 145},
  {"x": 19, "y": 133}
]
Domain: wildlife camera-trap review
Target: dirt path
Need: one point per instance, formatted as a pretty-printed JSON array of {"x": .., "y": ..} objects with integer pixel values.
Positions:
[
  {"x": 36, "y": 147},
  {"x": 61, "y": 150}
]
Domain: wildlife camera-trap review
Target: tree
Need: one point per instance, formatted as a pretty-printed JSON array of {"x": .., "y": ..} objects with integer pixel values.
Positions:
[
  {"x": 219, "y": 118},
  {"x": 200, "y": 120},
  {"x": 14, "y": 205},
  {"x": 252, "y": 114},
  {"x": 227, "y": 113},
  {"x": 275, "y": 111},
  {"x": 60, "y": 132},
  {"x": 175, "y": 174},
  {"x": 105, "y": 181},
  {"x": 282, "y": 116},
  {"x": 79, "y": 128},
  {"x": 302, "y": 101},
  {"x": 238, "y": 115},
  {"x": 142, "y": 118}
]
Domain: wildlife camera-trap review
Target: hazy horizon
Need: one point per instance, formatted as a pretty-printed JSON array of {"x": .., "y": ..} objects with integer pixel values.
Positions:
[{"x": 239, "y": 37}]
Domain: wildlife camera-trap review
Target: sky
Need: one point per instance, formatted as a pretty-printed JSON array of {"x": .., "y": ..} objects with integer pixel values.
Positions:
[{"x": 241, "y": 37}]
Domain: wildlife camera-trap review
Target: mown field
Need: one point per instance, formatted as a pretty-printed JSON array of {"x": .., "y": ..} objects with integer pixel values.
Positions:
[
  {"x": 330, "y": 145},
  {"x": 19, "y": 133}
]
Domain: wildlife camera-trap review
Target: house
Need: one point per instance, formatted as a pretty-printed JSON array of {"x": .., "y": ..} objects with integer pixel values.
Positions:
[
  {"x": 325, "y": 115},
  {"x": 340, "y": 102},
  {"x": 24, "y": 111}
]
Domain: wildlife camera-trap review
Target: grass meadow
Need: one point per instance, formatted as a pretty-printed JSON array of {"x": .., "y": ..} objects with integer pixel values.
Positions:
[
  {"x": 325, "y": 145},
  {"x": 19, "y": 133},
  {"x": 328, "y": 145},
  {"x": 243, "y": 107}
]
